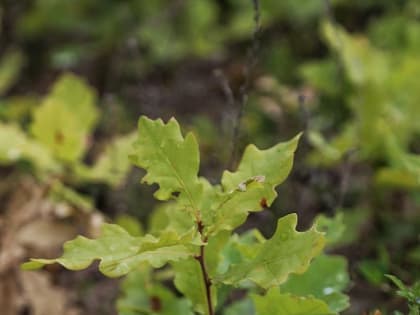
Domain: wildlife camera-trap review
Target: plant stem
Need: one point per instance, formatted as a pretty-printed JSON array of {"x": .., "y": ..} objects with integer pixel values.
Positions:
[
  {"x": 206, "y": 279},
  {"x": 201, "y": 260}
]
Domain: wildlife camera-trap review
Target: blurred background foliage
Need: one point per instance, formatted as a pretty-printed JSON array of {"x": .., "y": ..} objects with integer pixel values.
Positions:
[{"x": 76, "y": 74}]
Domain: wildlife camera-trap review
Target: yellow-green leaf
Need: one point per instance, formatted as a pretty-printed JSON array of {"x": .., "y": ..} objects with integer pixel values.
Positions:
[
  {"x": 119, "y": 252},
  {"x": 252, "y": 186},
  {"x": 65, "y": 118},
  {"x": 171, "y": 161},
  {"x": 15, "y": 146},
  {"x": 112, "y": 166},
  {"x": 10, "y": 66}
]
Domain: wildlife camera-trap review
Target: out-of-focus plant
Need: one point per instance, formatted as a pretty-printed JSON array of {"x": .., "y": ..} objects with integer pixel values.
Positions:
[
  {"x": 379, "y": 88},
  {"x": 10, "y": 66},
  {"x": 153, "y": 32},
  {"x": 370, "y": 81},
  {"x": 53, "y": 144},
  {"x": 411, "y": 294},
  {"x": 164, "y": 31}
]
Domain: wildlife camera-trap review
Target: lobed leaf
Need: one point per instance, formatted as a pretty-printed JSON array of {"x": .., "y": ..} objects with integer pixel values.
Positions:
[
  {"x": 119, "y": 252},
  {"x": 288, "y": 251},
  {"x": 252, "y": 186},
  {"x": 171, "y": 161}
]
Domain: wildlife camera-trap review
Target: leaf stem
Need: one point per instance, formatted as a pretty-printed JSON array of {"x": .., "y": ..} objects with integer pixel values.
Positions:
[{"x": 201, "y": 260}]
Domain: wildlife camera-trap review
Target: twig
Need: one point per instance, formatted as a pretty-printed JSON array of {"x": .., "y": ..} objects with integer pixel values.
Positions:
[
  {"x": 201, "y": 260},
  {"x": 345, "y": 177},
  {"x": 304, "y": 113},
  {"x": 252, "y": 57},
  {"x": 206, "y": 279}
]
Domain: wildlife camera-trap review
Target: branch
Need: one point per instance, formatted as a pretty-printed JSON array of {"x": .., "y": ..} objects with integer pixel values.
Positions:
[{"x": 206, "y": 278}]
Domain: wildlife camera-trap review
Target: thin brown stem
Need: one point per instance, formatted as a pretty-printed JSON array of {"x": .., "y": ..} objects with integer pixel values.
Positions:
[{"x": 201, "y": 260}]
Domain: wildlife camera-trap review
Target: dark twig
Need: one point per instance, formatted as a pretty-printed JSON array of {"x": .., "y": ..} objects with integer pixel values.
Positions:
[
  {"x": 252, "y": 59},
  {"x": 201, "y": 260},
  {"x": 345, "y": 177},
  {"x": 304, "y": 113},
  {"x": 206, "y": 279}
]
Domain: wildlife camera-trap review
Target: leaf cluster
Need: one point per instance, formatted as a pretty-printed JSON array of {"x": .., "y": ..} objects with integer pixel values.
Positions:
[
  {"x": 411, "y": 294},
  {"x": 377, "y": 83},
  {"x": 193, "y": 233}
]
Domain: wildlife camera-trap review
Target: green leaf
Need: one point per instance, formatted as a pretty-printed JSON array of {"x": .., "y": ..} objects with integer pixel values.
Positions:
[
  {"x": 411, "y": 294},
  {"x": 119, "y": 252},
  {"x": 10, "y": 66},
  {"x": 274, "y": 303},
  {"x": 328, "y": 153},
  {"x": 396, "y": 177},
  {"x": 62, "y": 193},
  {"x": 144, "y": 295},
  {"x": 274, "y": 163},
  {"x": 214, "y": 248},
  {"x": 288, "y": 251},
  {"x": 333, "y": 228},
  {"x": 373, "y": 270},
  {"x": 170, "y": 216},
  {"x": 16, "y": 146},
  {"x": 362, "y": 62},
  {"x": 252, "y": 186},
  {"x": 239, "y": 248},
  {"x": 65, "y": 118},
  {"x": 189, "y": 281},
  {"x": 325, "y": 278},
  {"x": 113, "y": 164},
  {"x": 131, "y": 224},
  {"x": 411, "y": 164},
  {"x": 397, "y": 282},
  {"x": 171, "y": 161},
  {"x": 17, "y": 109},
  {"x": 242, "y": 307},
  {"x": 189, "y": 278},
  {"x": 322, "y": 75},
  {"x": 12, "y": 144}
]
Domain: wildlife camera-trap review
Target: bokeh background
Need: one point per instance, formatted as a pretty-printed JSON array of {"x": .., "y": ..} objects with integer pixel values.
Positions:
[{"x": 75, "y": 75}]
